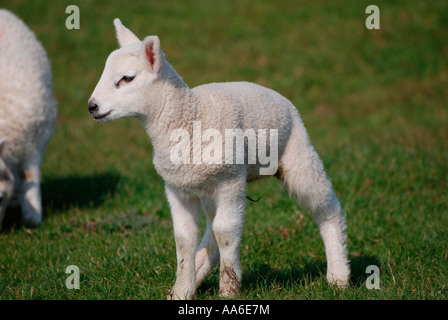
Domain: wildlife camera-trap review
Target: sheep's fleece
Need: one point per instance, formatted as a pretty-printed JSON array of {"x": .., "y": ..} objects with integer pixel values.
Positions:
[{"x": 27, "y": 116}]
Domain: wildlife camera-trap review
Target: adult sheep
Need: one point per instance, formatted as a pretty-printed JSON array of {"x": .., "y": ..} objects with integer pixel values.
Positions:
[
  {"x": 138, "y": 81},
  {"x": 27, "y": 117}
]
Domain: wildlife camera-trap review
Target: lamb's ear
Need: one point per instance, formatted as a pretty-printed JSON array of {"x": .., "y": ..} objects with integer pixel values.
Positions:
[
  {"x": 153, "y": 53},
  {"x": 124, "y": 35}
]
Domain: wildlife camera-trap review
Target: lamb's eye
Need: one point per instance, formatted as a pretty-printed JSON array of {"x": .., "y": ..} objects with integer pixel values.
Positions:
[{"x": 126, "y": 79}]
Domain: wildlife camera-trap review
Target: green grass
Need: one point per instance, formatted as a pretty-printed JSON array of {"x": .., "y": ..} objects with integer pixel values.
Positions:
[{"x": 375, "y": 106}]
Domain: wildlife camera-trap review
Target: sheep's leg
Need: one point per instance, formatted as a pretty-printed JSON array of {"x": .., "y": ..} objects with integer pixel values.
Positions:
[
  {"x": 30, "y": 197},
  {"x": 207, "y": 255},
  {"x": 332, "y": 229},
  {"x": 227, "y": 227},
  {"x": 304, "y": 175},
  {"x": 185, "y": 210}
]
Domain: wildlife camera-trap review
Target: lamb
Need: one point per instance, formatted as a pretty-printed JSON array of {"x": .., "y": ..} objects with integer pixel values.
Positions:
[
  {"x": 138, "y": 81},
  {"x": 28, "y": 117}
]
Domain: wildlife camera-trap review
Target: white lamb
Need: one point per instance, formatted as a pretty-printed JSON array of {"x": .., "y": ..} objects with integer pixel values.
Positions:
[
  {"x": 27, "y": 117},
  {"x": 138, "y": 81}
]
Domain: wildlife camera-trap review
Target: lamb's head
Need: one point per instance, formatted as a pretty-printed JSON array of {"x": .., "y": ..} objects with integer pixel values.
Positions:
[
  {"x": 6, "y": 182},
  {"x": 132, "y": 74}
]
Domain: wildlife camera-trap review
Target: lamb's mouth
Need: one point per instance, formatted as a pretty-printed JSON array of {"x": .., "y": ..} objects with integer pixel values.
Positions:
[{"x": 102, "y": 116}]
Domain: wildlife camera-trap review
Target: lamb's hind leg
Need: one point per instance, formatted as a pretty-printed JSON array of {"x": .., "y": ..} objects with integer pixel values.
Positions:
[
  {"x": 30, "y": 196},
  {"x": 207, "y": 255},
  {"x": 304, "y": 175}
]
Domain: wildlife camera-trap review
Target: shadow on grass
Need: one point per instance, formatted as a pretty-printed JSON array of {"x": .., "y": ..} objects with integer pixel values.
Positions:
[
  {"x": 262, "y": 275},
  {"x": 60, "y": 194},
  {"x": 358, "y": 266}
]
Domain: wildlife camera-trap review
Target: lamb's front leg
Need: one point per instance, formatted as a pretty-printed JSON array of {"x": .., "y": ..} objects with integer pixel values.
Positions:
[
  {"x": 185, "y": 210},
  {"x": 227, "y": 227},
  {"x": 30, "y": 197}
]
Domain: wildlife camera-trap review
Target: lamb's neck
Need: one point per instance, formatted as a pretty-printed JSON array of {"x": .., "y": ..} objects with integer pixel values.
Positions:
[{"x": 175, "y": 108}]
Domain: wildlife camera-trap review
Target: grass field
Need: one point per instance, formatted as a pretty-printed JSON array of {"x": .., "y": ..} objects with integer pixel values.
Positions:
[{"x": 375, "y": 106}]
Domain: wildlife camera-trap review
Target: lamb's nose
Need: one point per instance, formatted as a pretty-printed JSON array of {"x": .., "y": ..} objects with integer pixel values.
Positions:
[{"x": 92, "y": 106}]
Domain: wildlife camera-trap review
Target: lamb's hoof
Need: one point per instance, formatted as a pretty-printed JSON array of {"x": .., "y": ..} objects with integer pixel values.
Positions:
[
  {"x": 31, "y": 221},
  {"x": 229, "y": 293},
  {"x": 340, "y": 282},
  {"x": 173, "y": 296}
]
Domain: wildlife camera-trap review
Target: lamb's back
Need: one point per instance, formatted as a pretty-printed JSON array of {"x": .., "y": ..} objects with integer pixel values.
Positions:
[
  {"x": 243, "y": 105},
  {"x": 246, "y": 105},
  {"x": 27, "y": 107}
]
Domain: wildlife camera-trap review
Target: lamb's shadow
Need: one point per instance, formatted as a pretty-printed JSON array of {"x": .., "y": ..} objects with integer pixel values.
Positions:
[
  {"x": 62, "y": 193},
  {"x": 263, "y": 275},
  {"x": 358, "y": 266}
]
